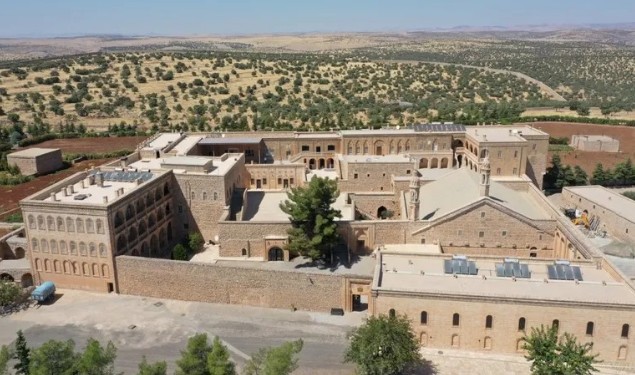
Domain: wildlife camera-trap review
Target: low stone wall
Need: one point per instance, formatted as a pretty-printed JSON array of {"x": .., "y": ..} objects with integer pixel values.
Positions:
[{"x": 214, "y": 283}]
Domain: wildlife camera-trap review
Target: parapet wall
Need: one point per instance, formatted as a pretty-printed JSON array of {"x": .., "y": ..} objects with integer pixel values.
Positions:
[{"x": 215, "y": 283}]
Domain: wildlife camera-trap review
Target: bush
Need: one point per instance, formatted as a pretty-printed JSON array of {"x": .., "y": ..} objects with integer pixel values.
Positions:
[
  {"x": 195, "y": 242},
  {"x": 15, "y": 218},
  {"x": 629, "y": 194},
  {"x": 180, "y": 252}
]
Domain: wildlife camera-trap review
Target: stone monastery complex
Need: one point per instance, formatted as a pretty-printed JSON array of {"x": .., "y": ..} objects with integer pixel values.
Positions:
[{"x": 445, "y": 223}]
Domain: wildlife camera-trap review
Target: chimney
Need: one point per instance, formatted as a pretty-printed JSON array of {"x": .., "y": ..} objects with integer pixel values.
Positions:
[
  {"x": 65, "y": 192},
  {"x": 105, "y": 199},
  {"x": 53, "y": 197},
  {"x": 137, "y": 182},
  {"x": 99, "y": 179},
  {"x": 71, "y": 189},
  {"x": 83, "y": 184},
  {"x": 122, "y": 162}
]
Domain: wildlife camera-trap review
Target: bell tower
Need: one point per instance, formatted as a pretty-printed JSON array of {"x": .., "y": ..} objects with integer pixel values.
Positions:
[
  {"x": 413, "y": 205},
  {"x": 485, "y": 175}
]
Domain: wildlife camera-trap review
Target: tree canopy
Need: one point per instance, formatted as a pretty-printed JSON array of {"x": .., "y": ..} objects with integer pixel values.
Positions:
[
  {"x": 553, "y": 355},
  {"x": 281, "y": 360},
  {"x": 314, "y": 232},
  {"x": 383, "y": 345}
]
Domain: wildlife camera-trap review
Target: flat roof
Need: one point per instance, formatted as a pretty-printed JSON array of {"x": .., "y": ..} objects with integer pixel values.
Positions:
[
  {"x": 596, "y": 138},
  {"x": 229, "y": 141},
  {"x": 163, "y": 140},
  {"x": 412, "y": 248},
  {"x": 32, "y": 152},
  {"x": 190, "y": 161},
  {"x": 94, "y": 194},
  {"x": 221, "y": 164},
  {"x": 425, "y": 274},
  {"x": 392, "y": 158},
  {"x": 263, "y": 205},
  {"x": 501, "y": 133},
  {"x": 619, "y": 204}
]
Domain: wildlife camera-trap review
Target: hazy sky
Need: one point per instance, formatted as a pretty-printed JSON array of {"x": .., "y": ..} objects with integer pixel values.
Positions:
[{"x": 181, "y": 17}]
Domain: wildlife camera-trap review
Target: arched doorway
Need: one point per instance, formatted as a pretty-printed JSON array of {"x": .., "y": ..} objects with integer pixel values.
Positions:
[
  {"x": 19, "y": 253},
  {"x": 424, "y": 339},
  {"x": 6, "y": 277},
  {"x": 329, "y": 163},
  {"x": 434, "y": 163},
  {"x": 276, "y": 254},
  {"x": 311, "y": 163},
  {"x": 423, "y": 163},
  {"x": 381, "y": 212},
  {"x": 322, "y": 164},
  {"x": 444, "y": 163}
]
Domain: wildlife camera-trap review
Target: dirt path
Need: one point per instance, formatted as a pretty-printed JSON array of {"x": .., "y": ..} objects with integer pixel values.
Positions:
[{"x": 548, "y": 90}]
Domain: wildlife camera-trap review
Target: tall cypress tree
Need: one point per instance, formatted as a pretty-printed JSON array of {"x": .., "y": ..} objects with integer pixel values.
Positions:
[{"x": 22, "y": 355}]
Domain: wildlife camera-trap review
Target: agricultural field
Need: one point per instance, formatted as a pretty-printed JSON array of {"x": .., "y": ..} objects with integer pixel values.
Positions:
[
  {"x": 256, "y": 91},
  {"x": 93, "y": 145},
  {"x": 587, "y": 159}
]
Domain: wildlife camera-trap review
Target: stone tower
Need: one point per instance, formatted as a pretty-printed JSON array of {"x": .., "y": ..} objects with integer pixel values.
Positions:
[
  {"x": 413, "y": 205},
  {"x": 485, "y": 174}
]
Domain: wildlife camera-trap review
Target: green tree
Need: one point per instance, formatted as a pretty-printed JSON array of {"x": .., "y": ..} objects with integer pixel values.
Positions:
[
  {"x": 10, "y": 292},
  {"x": 157, "y": 368},
  {"x": 629, "y": 194},
  {"x": 550, "y": 355},
  {"x": 599, "y": 176},
  {"x": 580, "y": 176},
  {"x": 314, "y": 230},
  {"x": 195, "y": 241},
  {"x": 5, "y": 356},
  {"x": 53, "y": 358},
  {"x": 96, "y": 360},
  {"x": 583, "y": 109},
  {"x": 21, "y": 355},
  {"x": 194, "y": 358},
  {"x": 553, "y": 173},
  {"x": 280, "y": 360},
  {"x": 218, "y": 360},
  {"x": 383, "y": 346},
  {"x": 179, "y": 252}
]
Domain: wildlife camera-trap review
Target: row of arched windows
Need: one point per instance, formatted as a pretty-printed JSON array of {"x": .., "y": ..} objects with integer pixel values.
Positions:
[
  {"x": 522, "y": 323},
  {"x": 72, "y": 268},
  {"x": 140, "y": 205},
  {"x": 128, "y": 239},
  {"x": 160, "y": 212},
  {"x": 68, "y": 224},
  {"x": 204, "y": 196},
  {"x": 73, "y": 248}
]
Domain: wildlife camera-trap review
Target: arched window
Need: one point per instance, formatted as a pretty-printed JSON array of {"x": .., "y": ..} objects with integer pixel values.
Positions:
[
  {"x": 100, "y": 226},
  {"x": 521, "y": 324},
  {"x": 92, "y": 250},
  {"x": 32, "y": 224},
  {"x": 85, "y": 269},
  {"x": 72, "y": 247},
  {"x": 75, "y": 268},
  {"x": 104, "y": 271},
  {"x": 90, "y": 227},
  {"x": 215, "y": 196},
  {"x": 121, "y": 244},
  {"x": 129, "y": 212},
  {"x": 204, "y": 195},
  {"x": 47, "y": 265},
  {"x": 625, "y": 329},
  {"x": 243, "y": 252},
  {"x": 166, "y": 189},
  {"x": 63, "y": 249},
  {"x": 589, "y": 329},
  {"x": 456, "y": 320},
  {"x": 102, "y": 250},
  {"x": 67, "y": 267},
  {"x": 57, "y": 266},
  {"x": 157, "y": 194},
  {"x": 424, "y": 317},
  {"x": 40, "y": 222},
  {"x": 391, "y": 313},
  {"x": 193, "y": 195},
  {"x": 38, "y": 264},
  {"x": 118, "y": 219},
  {"x": 70, "y": 225},
  {"x": 555, "y": 324},
  {"x": 79, "y": 225},
  {"x": 95, "y": 270},
  {"x": 149, "y": 200},
  {"x": 167, "y": 209},
  {"x": 50, "y": 223},
  {"x": 82, "y": 249},
  {"x": 60, "y": 224},
  {"x": 34, "y": 245},
  {"x": 44, "y": 245},
  {"x": 488, "y": 321},
  {"x": 53, "y": 247}
]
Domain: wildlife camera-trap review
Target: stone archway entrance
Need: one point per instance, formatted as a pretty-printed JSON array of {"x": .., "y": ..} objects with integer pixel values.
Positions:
[
  {"x": 358, "y": 295},
  {"x": 6, "y": 277},
  {"x": 275, "y": 254},
  {"x": 27, "y": 280},
  {"x": 381, "y": 212},
  {"x": 19, "y": 253}
]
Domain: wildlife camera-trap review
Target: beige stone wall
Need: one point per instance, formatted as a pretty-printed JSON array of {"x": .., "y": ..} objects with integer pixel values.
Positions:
[
  {"x": 374, "y": 177},
  {"x": 384, "y": 144},
  {"x": 42, "y": 164},
  {"x": 504, "y": 336},
  {"x": 488, "y": 228},
  {"x": 230, "y": 285},
  {"x": 611, "y": 222},
  {"x": 251, "y": 236},
  {"x": 276, "y": 176},
  {"x": 582, "y": 142},
  {"x": 369, "y": 204}
]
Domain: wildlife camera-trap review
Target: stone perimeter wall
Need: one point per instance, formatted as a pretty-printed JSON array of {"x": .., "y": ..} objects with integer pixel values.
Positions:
[{"x": 214, "y": 283}]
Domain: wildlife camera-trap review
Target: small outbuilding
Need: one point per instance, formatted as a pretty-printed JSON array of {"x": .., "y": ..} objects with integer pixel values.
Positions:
[
  {"x": 36, "y": 161},
  {"x": 595, "y": 143}
]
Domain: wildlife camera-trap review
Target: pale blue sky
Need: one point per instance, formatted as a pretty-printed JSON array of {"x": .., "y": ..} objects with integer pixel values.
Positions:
[{"x": 185, "y": 17}]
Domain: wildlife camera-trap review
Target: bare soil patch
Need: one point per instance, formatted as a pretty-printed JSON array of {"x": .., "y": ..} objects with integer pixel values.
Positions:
[
  {"x": 587, "y": 159},
  {"x": 90, "y": 145}
]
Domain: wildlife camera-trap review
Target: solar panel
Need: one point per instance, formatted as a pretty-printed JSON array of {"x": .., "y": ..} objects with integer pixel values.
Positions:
[
  {"x": 438, "y": 128},
  {"x": 564, "y": 272},
  {"x": 460, "y": 267},
  {"x": 512, "y": 268},
  {"x": 126, "y": 176}
]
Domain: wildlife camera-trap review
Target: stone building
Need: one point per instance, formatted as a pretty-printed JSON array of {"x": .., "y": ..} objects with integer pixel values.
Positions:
[
  {"x": 36, "y": 161},
  {"x": 595, "y": 143}
]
